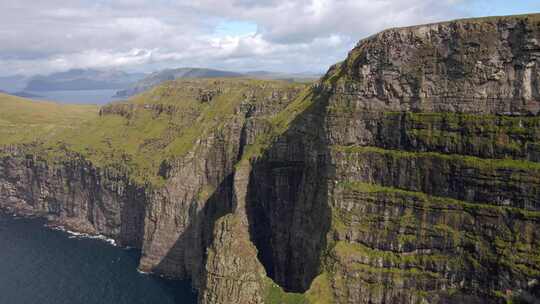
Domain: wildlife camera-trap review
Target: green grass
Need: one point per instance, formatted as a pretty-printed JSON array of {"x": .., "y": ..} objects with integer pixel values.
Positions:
[
  {"x": 165, "y": 123},
  {"x": 517, "y": 252},
  {"x": 535, "y": 17},
  {"x": 275, "y": 295},
  {"x": 430, "y": 201},
  {"x": 475, "y": 162},
  {"x": 137, "y": 136},
  {"x": 345, "y": 251},
  {"x": 320, "y": 291},
  {"x": 25, "y": 121},
  {"x": 279, "y": 124}
]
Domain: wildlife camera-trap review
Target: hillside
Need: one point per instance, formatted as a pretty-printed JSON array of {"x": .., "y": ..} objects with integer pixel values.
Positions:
[
  {"x": 408, "y": 174},
  {"x": 167, "y": 121},
  {"x": 160, "y": 77},
  {"x": 157, "y": 78},
  {"x": 25, "y": 121}
]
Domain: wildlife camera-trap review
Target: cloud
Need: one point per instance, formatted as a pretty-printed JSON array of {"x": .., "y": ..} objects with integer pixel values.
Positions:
[{"x": 281, "y": 35}]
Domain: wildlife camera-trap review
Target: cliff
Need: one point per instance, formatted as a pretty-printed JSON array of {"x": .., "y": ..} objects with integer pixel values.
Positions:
[{"x": 408, "y": 174}]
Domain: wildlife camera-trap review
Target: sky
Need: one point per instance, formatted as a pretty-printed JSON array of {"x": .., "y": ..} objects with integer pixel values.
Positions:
[{"x": 294, "y": 36}]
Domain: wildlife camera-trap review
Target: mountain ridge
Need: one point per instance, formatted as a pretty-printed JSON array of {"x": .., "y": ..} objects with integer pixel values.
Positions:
[
  {"x": 81, "y": 79},
  {"x": 160, "y": 77}
]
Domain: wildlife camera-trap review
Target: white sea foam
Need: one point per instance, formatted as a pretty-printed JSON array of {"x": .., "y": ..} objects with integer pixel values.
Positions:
[{"x": 79, "y": 235}]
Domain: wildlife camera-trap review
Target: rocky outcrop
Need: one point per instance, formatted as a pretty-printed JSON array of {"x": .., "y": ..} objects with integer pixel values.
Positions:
[
  {"x": 74, "y": 194},
  {"x": 181, "y": 219},
  {"x": 127, "y": 110},
  {"x": 157, "y": 78},
  {"x": 480, "y": 66},
  {"x": 432, "y": 135},
  {"x": 233, "y": 274},
  {"x": 408, "y": 174}
]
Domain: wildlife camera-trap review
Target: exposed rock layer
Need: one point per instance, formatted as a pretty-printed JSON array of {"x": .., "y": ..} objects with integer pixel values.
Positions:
[{"x": 74, "y": 194}]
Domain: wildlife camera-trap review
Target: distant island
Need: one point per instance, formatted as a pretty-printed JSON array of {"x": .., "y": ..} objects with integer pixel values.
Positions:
[
  {"x": 82, "y": 79},
  {"x": 157, "y": 78},
  {"x": 160, "y": 77},
  {"x": 124, "y": 83},
  {"x": 26, "y": 94}
]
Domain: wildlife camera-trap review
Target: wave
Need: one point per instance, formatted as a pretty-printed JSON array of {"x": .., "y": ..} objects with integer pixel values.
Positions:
[
  {"x": 142, "y": 272},
  {"x": 80, "y": 235}
]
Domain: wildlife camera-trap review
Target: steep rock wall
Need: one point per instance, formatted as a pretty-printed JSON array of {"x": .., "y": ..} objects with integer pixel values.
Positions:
[
  {"x": 74, "y": 194},
  {"x": 477, "y": 66},
  {"x": 432, "y": 135},
  {"x": 287, "y": 200},
  {"x": 177, "y": 222}
]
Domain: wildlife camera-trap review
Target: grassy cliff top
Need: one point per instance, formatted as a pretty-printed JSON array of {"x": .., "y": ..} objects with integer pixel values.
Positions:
[
  {"x": 168, "y": 122},
  {"x": 533, "y": 18},
  {"x": 25, "y": 121},
  {"x": 196, "y": 90}
]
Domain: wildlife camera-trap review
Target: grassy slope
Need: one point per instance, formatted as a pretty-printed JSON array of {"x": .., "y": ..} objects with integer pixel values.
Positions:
[
  {"x": 25, "y": 121},
  {"x": 141, "y": 140}
]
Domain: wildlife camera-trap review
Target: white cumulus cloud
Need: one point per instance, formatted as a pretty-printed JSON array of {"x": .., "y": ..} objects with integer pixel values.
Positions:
[{"x": 144, "y": 35}]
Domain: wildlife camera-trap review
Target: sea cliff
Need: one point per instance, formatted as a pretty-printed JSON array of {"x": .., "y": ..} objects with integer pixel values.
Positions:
[{"x": 408, "y": 174}]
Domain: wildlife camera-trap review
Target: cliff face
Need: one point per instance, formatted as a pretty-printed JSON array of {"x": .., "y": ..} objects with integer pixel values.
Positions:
[
  {"x": 433, "y": 140},
  {"x": 408, "y": 174},
  {"x": 172, "y": 216},
  {"x": 73, "y": 194},
  {"x": 482, "y": 66}
]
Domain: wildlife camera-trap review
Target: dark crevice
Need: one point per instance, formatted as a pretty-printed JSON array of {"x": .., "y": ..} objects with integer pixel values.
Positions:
[
  {"x": 243, "y": 141},
  {"x": 189, "y": 248},
  {"x": 287, "y": 202}
]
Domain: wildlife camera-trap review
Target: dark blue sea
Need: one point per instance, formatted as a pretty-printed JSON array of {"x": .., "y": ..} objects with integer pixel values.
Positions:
[{"x": 43, "y": 266}]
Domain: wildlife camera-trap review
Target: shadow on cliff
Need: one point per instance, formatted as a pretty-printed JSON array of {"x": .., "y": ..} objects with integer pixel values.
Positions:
[
  {"x": 287, "y": 202},
  {"x": 187, "y": 257},
  {"x": 132, "y": 217},
  {"x": 287, "y": 208}
]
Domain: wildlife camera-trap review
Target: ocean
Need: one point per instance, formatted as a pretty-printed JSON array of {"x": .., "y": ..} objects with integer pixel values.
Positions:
[
  {"x": 79, "y": 97},
  {"x": 39, "y": 265}
]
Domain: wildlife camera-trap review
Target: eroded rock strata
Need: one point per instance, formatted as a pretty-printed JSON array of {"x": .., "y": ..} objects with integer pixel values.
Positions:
[{"x": 408, "y": 174}]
